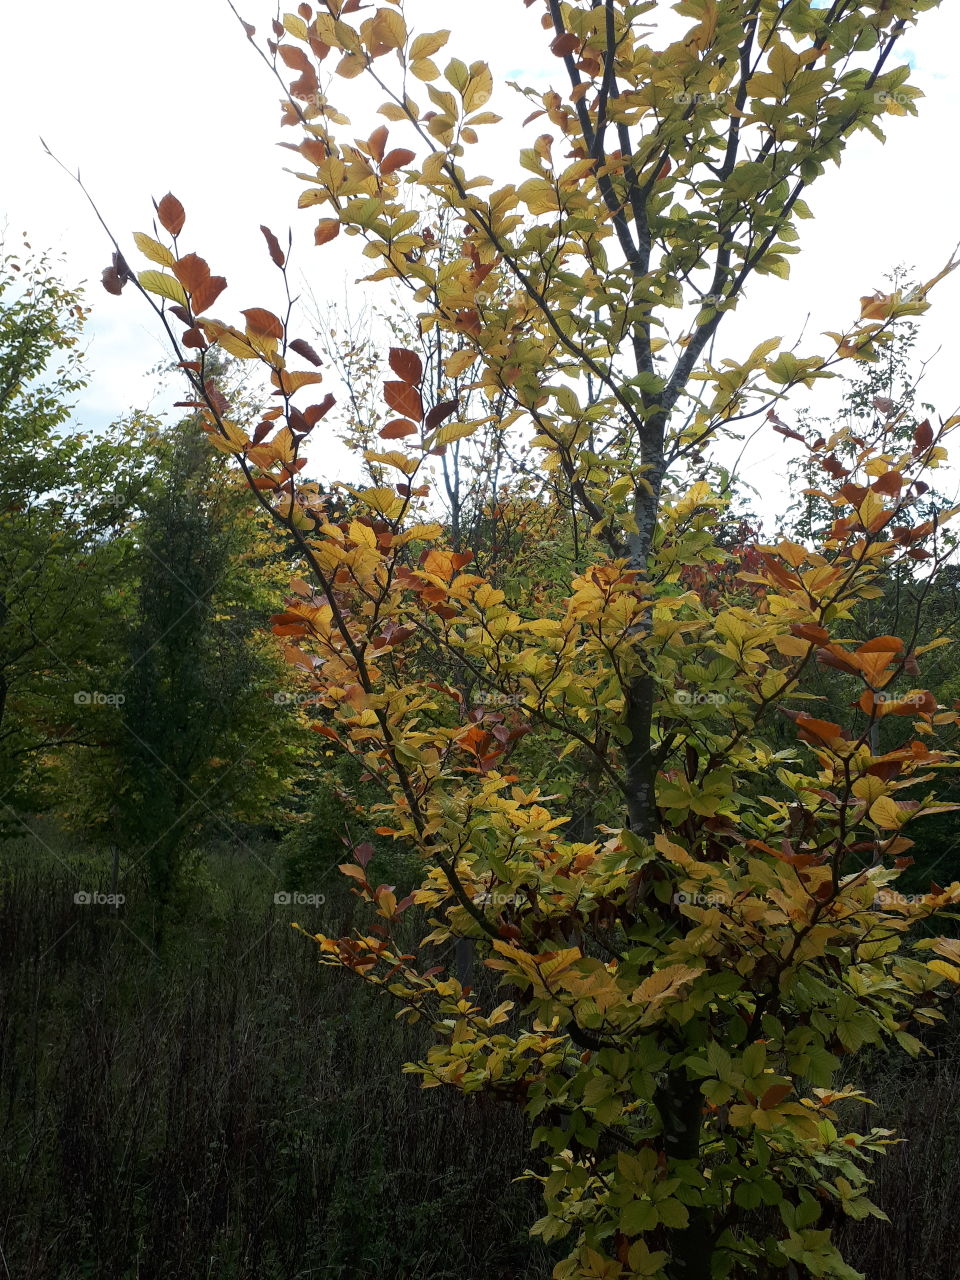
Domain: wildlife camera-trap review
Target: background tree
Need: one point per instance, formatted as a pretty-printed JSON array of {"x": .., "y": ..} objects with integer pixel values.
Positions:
[{"x": 64, "y": 553}]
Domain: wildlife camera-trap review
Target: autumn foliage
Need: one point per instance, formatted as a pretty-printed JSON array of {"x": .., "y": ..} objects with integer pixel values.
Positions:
[{"x": 682, "y": 986}]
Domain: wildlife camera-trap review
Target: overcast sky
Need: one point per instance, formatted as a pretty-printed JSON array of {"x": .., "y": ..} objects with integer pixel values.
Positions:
[{"x": 143, "y": 98}]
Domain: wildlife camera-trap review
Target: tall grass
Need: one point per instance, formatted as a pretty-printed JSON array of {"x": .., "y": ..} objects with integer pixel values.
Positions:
[{"x": 229, "y": 1110}]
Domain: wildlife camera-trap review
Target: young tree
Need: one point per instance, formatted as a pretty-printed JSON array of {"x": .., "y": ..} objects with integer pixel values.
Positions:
[
  {"x": 687, "y": 979},
  {"x": 208, "y": 730}
]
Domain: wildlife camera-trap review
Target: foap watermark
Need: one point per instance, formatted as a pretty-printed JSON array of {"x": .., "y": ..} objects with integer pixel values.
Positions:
[
  {"x": 891, "y": 98},
  {"x": 85, "y": 898},
  {"x": 291, "y": 898},
  {"x": 492, "y": 698},
  {"x": 905, "y": 700},
  {"x": 699, "y": 899},
  {"x": 888, "y": 898},
  {"x": 686, "y": 99},
  {"x": 697, "y": 698},
  {"x": 97, "y": 698},
  {"x": 287, "y": 699},
  {"x": 491, "y": 898}
]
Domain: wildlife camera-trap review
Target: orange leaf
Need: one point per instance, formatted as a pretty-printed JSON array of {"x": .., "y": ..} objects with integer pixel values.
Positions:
[
  {"x": 192, "y": 272},
  {"x": 327, "y": 229},
  {"x": 211, "y": 289},
  {"x": 263, "y": 323},
  {"x": 377, "y": 142},
  {"x": 395, "y": 160},
  {"x": 397, "y": 429},
  {"x": 171, "y": 214},
  {"x": 404, "y": 399}
]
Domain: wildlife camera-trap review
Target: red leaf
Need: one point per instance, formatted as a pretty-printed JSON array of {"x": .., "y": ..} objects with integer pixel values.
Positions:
[
  {"x": 363, "y": 853},
  {"x": 405, "y": 399},
  {"x": 406, "y": 365},
  {"x": 304, "y": 349},
  {"x": 171, "y": 214},
  {"x": 273, "y": 244}
]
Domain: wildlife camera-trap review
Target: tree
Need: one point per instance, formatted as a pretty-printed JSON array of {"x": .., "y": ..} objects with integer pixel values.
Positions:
[
  {"x": 208, "y": 730},
  {"x": 686, "y": 981},
  {"x": 63, "y": 545}
]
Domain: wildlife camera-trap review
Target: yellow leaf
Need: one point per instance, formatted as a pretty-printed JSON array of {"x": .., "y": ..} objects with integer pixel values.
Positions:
[
  {"x": 479, "y": 87},
  {"x": 420, "y": 533},
  {"x": 166, "y": 286},
  {"x": 869, "y": 788},
  {"x": 235, "y": 345},
  {"x": 289, "y": 380},
  {"x": 427, "y": 45},
  {"x": 945, "y": 970},
  {"x": 153, "y": 249},
  {"x": 663, "y": 983},
  {"x": 388, "y": 28},
  {"x": 884, "y": 813},
  {"x": 424, "y": 69},
  {"x": 295, "y": 26},
  {"x": 454, "y": 431},
  {"x": 459, "y": 362}
]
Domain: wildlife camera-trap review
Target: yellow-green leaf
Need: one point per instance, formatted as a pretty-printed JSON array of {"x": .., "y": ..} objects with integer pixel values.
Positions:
[{"x": 166, "y": 286}]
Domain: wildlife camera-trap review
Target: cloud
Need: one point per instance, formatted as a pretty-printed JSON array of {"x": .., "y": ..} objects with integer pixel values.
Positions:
[{"x": 146, "y": 98}]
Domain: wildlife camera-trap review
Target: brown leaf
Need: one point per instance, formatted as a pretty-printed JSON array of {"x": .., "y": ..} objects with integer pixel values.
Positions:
[
  {"x": 567, "y": 43},
  {"x": 171, "y": 214},
  {"x": 111, "y": 281},
  {"x": 294, "y": 57},
  {"x": 207, "y": 295},
  {"x": 377, "y": 142},
  {"x": 192, "y": 272},
  {"x": 314, "y": 412},
  {"x": 404, "y": 399},
  {"x": 439, "y": 413},
  {"x": 397, "y": 429},
  {"x": 327, "y": 229},
  {"x": 406, "y": 365},
  {"x": 923, "y": 436},
  {"x": 303, "y": 348},
  {"x": 775, "y": 1095},
  {"x": 263, "y": 323},
  {"x": 273, "y": 244}
]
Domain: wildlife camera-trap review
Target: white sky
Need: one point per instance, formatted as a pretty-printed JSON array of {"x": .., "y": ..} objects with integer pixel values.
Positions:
[{"x": 145, "y": 97}]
